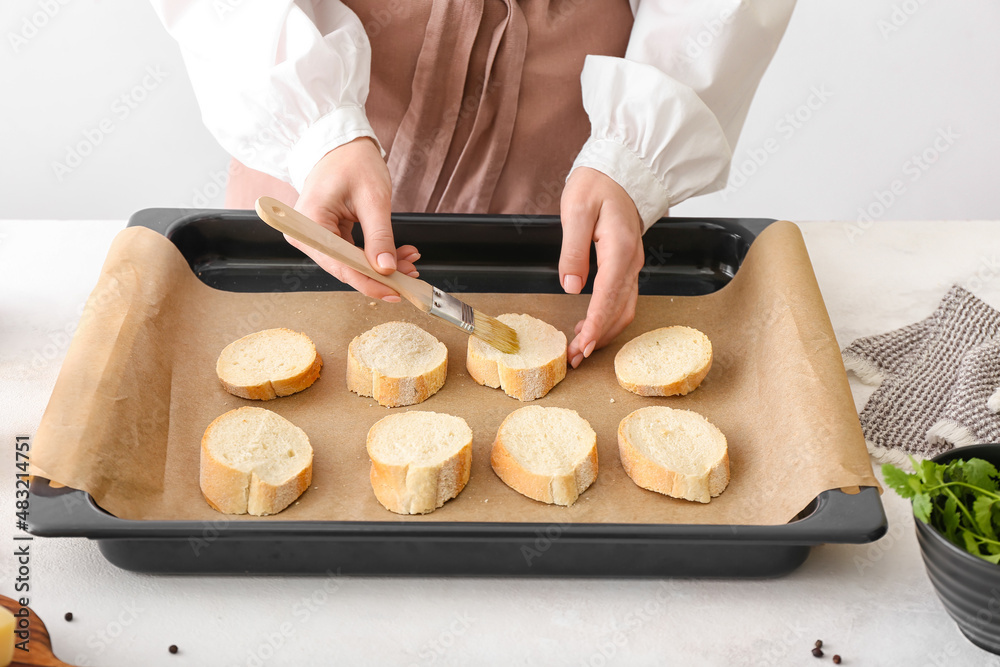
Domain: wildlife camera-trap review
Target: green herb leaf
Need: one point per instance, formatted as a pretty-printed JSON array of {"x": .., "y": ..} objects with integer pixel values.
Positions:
[
  {"x": 922, "y": 507},
  {"x": 971, "y": 543},
  {"x": 961, "y": 500},
  {"x": 931, "y": 474},
  {"x": 954, "y": 471},
  {"x": 898, "y": 480},
  {"x": 983, "y": 474},
  {"x": 950, "y": 518},
  {"x": 982, "y": 509}
]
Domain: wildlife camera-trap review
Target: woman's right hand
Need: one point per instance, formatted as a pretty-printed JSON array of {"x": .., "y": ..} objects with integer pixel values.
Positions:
[{"x": 351, "y": 184}]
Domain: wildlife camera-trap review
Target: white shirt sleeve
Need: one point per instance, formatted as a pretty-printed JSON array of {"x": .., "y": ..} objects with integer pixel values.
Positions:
[
  {"x": 664, "y": 118},
  {"x": 277, "y": 92}
]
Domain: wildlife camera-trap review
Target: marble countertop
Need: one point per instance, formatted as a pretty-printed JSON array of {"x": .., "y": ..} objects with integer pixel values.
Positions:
[{"x": 872, "y": 603}]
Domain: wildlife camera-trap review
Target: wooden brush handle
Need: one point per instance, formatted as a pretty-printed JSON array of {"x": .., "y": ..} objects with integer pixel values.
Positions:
[{"x": 287, "y": 220}]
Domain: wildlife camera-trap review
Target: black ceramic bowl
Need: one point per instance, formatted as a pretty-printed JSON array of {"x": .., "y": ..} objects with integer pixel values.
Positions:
[{"x": 968, "y": 586}]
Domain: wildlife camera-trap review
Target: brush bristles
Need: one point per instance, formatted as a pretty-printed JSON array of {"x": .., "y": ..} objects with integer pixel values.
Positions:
[{"x": 496, "y": 333}]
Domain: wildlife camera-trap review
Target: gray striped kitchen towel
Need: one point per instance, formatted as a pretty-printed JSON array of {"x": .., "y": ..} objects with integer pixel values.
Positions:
[{"x": 939, "y": 381}]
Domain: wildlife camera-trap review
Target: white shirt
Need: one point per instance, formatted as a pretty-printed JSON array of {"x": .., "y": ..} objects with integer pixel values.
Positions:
[{"x": 280, "y": 83}]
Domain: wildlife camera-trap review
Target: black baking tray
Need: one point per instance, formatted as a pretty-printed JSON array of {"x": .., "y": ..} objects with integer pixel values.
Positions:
[{"x": 235, "y": 251}]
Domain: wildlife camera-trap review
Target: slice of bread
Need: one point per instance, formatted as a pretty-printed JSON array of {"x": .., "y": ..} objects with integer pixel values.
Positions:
[
  {"x": 420, "y": 460},
  {"x": 548, "y": 454},
  {"x": 268, "y": 364},
  {"x": 254, "y": 461},
  {"x": 530, "y": 373},
  {"x": 677, "y": 453},
  {"x": 396, "y": 363},
  {"x": 664, "y": 362}
]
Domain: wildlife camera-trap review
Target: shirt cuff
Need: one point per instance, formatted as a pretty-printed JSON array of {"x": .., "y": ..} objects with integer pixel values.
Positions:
[
  {"x": 652, "y": 134},
  {"x": 624, "y": 167},
  {"x": 335, "y": 129}
]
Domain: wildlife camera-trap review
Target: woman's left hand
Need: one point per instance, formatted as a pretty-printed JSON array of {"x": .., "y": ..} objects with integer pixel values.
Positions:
[{"x": 595, "y": 208}]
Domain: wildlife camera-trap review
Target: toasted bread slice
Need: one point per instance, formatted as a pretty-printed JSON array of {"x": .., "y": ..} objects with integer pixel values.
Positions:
[
  {"x": 420, "y": 460},
  {"x": 254, "y": 461},
  {"x": 664, "y": 362},
  {"x": 396, "y": 363},
  {"x": 548, "y": 454},
  {"x": 532, "y": 371},
  {"x": 268, "y": 364},
  {"x": 678, "y": 453}
]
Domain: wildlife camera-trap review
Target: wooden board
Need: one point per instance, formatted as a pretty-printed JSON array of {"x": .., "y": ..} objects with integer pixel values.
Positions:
[{"x": 39, "y": 645}]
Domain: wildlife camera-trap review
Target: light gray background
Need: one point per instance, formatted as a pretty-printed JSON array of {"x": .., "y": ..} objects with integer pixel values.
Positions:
[{"x": 895, "y": 75}]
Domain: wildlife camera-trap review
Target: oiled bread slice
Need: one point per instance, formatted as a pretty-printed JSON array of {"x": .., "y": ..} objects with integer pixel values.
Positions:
[
  {"x": 548, "y": 454},
  {"x": 530, "y": 373},
  {"x": 664, "y": 362},
  {"x": 678, "y": 453},
  {"x": 420, "y": 460},
  {"x": 254, "y": 461},
  {"x": 396, "y": 363},
  {"x": 268, "y": 364}
]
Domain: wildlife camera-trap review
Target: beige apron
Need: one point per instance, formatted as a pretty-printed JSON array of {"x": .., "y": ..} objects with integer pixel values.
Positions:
[{"x": 477, "y": 103}]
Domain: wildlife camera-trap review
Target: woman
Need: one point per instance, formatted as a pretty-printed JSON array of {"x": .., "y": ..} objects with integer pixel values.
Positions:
[{"x": 481, "y": 106}]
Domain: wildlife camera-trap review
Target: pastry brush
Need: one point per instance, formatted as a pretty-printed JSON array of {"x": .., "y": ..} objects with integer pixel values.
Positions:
[{"x": 423, "y": 295}]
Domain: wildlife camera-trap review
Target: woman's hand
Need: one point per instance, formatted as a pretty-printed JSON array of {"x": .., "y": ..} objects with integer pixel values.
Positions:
[
  {"x": 595, "y": 208},
  {"x": 351, "y": 184}
]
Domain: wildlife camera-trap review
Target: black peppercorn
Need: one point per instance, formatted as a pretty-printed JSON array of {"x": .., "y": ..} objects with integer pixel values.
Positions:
[
  {"x": 817, "y": 652},
  {"x": 819, "y": 643},
  {"x": 836, "y": 659},
  {"x": 68, "y": 616},
  {"x": 173, "y": 648}
]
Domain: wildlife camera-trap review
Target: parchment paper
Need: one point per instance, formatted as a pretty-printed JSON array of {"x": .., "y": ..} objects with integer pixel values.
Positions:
[{"x": 138, "y": 388}]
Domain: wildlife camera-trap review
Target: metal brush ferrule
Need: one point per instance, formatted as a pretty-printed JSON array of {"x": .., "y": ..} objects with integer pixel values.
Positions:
[{"x": 452, "y": 310}]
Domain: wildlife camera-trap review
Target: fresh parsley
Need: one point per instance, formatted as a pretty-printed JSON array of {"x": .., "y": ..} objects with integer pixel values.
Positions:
[{"x": 960, "y": 499}]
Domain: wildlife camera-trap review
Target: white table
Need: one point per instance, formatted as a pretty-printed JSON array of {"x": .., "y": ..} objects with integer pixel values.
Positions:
[{"x": 870, "y": 603}]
